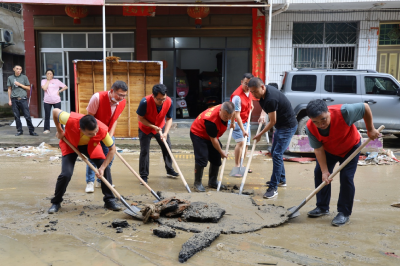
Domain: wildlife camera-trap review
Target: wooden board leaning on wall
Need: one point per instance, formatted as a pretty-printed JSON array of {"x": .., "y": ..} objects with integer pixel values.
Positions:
[{"x": 139, "y": 76}]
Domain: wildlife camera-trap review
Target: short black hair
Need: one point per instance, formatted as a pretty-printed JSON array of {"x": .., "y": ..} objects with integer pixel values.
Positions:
[
  {"x": 119, "y": 85},
  {"x": 159, "y": 88},
  {"x": 247, "y": 76},
  {"x": 316, "y": 108},
  {"x": 88, "y": 122},
  {"x": 255, "y": 82},
  {"x": 52, "y": 71},
  {"x": 17, "y": 65},
  {"x": 228, "y": 106}
]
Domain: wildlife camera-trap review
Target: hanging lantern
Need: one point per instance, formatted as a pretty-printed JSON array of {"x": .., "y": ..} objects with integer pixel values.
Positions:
[
  {"x": 76, "y": 12},
  {"x": 198, "y": 12}
]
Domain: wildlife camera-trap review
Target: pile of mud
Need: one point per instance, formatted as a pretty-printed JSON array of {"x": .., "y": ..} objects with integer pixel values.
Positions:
[{"x": 239, "y": 213}]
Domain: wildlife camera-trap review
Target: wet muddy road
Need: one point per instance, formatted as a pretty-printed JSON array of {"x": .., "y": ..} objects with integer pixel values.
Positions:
[{"x": 81, "y": 233}]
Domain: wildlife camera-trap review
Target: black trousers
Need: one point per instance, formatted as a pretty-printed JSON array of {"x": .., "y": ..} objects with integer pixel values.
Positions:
[
  {"x": 347, "y": 188},
  {"x": 145, "y": 150},
  {"x": 47, "y": 109},
  {"x": 67, "y": 169},
  {"x": 204, "y": 151},
  {"x": 23, "y": 106}
]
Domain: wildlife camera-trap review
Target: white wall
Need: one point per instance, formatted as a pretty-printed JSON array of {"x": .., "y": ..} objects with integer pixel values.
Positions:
[{"x": 282, "y": 32}]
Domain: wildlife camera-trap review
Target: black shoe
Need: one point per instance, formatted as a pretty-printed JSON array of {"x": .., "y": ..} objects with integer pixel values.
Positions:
[
  {"x": 144, "y": 179},
  {"x": 271, "y": 193},
  {"x": 173, "y": 174},
  {"x": 19, "y": 133},
  {"x": 281, "y": 184},
  {"x": 112, "y": 205},
  {"x": 33, "y": 134},
  {"x": 54, "y": 208},
  {"x": 317, "y": 212},
  {"x": 340, "y": 219}
]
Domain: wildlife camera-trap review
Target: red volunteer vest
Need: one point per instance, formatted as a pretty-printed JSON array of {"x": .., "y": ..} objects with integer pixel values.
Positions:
[
  {"x": 245, "y": 103},
  {"x": 152, "y": 116},
  {"x": 342, "y": 137},
  {"x": 212, "y": 114},
  {"x": 104, "y": 112},
  {"x": 73, "y": 135}
]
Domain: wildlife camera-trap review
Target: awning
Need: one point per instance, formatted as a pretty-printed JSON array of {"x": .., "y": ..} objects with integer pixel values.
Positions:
[{"x": 57, "y": 2}]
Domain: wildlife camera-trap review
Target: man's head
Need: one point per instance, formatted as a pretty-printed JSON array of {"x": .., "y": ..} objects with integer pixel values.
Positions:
[
  {"x": 319, "y": 113},
  {"x": 159, "y": 94},
  {"x": 17, "y": 70},
  {"x": 257, "y": 87},
  {"x": 88, "y": 126},
  {"x": 119, "y": 90},
  {"x": 245, "y": 81},
  {"x": 226, "y": 111}
]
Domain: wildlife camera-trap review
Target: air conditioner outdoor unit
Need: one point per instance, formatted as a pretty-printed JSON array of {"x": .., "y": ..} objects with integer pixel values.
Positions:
[{"x": 6, "y": 36}]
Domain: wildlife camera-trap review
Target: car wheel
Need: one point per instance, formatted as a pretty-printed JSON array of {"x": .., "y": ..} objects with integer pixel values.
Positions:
[{"x": 301, "y": 129}]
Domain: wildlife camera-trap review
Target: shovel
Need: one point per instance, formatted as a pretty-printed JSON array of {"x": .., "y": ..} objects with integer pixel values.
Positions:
[
  {"x": 224, "y": 161},
  {"x": 248, "y": 163},
  {"x": 176, "y": 165},
  {"x": 134, "y": 210},
  {"x": 294, "y": 211},
  {"x": 138, "y": 177},
  {"x": 239, "y": 171}
]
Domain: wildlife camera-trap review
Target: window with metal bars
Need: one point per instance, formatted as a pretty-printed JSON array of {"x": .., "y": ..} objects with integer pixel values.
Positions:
[{"x": 325, "y": 45}]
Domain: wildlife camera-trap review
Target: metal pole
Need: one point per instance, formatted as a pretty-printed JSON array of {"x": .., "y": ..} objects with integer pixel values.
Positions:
[
  {"x": 268, "y": 44},
  {"x": 104, "y": 48}
]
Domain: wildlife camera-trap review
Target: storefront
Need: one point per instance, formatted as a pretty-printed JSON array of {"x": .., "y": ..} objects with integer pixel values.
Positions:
[{"x": 208, "y": 62}]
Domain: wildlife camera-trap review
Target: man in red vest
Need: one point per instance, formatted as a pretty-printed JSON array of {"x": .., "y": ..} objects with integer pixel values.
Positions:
[
  {"x": 332, "y": 134},
  {"x": 106, "y": 106},
  {"x": 204, "y": 133},
  {"x": 85, "y": 133},
  {"x": 152, "y": 112},
  {"x": 242, "y": 100}
]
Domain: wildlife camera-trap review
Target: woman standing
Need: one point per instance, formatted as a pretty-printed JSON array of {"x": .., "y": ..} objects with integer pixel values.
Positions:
[{"x": 52, "y": 97}]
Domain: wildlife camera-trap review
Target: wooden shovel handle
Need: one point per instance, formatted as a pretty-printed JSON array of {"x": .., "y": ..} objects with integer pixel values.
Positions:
[
  {"x": 342, "y": 166},
  {"x": 221, "y": 173},
  {"x": 93, "y": 168},
  {"x": 134, "y": 172},
  {"x": 175, "y": 163},
  {"x": 245, "y": 138},
  {"x": 249, "y": 161}
]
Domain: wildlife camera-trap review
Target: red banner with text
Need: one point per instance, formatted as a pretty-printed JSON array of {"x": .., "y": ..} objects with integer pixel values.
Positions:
[
  {"x": 147, "y": 11},
  {"x": 258, "y": 40}
]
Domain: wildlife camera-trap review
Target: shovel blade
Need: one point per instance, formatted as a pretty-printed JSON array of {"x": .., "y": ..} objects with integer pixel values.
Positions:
[
  {"x": 235, "y": 171},
  {"x": 293, "y": 212}
]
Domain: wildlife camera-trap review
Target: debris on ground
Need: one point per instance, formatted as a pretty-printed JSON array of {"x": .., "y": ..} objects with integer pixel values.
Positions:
[
  {"x": 197, "y": 243},
  {"x": 119, "y": 230},
  {"x": 169, "y": 207},
  {"x": 386, "y": 157},
  {"x": 203, "y": 212},
  {"x": 119, "y": 223},
  {"x": 164, "y": 232},
  {"x": 397, "y": 205}
]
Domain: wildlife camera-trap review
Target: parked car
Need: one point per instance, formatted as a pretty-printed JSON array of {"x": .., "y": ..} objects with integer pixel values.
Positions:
[{"x": 381, "y": 91}]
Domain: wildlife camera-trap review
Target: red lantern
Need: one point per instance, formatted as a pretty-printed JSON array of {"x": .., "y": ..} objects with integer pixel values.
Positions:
[
  {"x": 76, "y": 12},
  {"x": 198, "y": 12}
]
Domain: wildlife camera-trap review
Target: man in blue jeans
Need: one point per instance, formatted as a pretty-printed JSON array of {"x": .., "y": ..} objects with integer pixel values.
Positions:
[
  {"x": 106, "y": 106},
  {"x": 281, "y": 115}
]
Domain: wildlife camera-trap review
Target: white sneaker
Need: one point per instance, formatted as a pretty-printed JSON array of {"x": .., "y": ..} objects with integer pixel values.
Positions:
[
  {"x": 46, "y": 132},
  {"x": 98, "y": 184},
  {"x": 89, "y": 187}
]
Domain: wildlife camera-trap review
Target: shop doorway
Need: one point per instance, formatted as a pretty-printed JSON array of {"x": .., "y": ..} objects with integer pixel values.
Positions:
[{"x": 201, "y": 72}]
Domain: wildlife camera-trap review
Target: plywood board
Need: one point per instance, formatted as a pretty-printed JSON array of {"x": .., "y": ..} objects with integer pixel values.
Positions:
[{"x": 140, "y": 76}]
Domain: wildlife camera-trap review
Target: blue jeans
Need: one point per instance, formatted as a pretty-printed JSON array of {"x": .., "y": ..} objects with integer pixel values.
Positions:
[
  {"x": 89, "y": 172},
  {"x": 282, "y": 138},
  {"x": 347, "y": 188}
]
